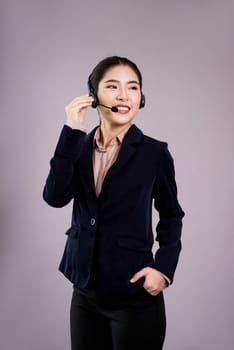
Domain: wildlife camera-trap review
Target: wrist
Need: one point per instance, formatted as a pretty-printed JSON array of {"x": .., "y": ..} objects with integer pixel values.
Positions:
[{"x": 76, "y": 126}]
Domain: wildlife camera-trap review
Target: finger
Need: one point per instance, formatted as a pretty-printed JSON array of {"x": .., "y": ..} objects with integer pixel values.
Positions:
[
  {"x": 80, "y": 98},
  {"x": 138, "y": 275},
  {"x": 79, "y": 103},
  {"x": 78, "y": 108},
  {"x": 154, "y": 293}
]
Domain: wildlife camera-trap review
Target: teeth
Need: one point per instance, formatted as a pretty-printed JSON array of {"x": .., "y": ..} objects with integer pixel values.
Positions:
[{"x": 121, "y": 108}]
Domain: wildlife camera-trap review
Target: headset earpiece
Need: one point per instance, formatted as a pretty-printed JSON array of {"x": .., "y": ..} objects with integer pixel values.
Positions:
[
  {"x": 92, "y": 93},
  {"x": 142, "y": 103}
]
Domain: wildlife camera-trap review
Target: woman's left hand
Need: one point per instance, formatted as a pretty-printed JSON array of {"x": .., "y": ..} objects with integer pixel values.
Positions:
[{"x": 154, "y": 280}]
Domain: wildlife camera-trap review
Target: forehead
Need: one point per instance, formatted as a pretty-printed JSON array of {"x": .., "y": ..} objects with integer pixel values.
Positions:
[{"x": 121, "y": 73}]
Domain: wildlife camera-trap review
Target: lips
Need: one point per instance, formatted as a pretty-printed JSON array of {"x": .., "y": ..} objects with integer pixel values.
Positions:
[{"x": 123, "y": 108}]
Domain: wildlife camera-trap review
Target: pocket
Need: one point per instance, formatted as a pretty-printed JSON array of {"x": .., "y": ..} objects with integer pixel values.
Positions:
[
  {"x": 134, "y": 244},
  {"x": 73, "y": 231}
]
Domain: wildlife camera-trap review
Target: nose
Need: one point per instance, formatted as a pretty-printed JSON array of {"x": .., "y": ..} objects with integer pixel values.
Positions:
[{"x": 123, "y": 94}]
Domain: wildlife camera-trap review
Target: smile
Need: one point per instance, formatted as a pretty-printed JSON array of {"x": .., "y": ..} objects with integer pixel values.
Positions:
[{"x": 123, "y": 108}]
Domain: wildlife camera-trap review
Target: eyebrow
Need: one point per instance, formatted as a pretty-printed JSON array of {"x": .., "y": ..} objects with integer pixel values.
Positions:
[{"x": 117, "y": 81}]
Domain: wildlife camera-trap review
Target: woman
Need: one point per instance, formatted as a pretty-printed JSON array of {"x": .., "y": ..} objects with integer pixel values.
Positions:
[{"x": 114, "y": 175}]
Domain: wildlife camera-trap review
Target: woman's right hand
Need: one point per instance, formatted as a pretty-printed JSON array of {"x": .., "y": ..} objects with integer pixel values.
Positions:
[{"x": 75, "y": 111}]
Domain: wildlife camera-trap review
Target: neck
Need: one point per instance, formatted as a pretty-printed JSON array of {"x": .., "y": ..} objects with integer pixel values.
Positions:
[{"x": 108, "y": 132}]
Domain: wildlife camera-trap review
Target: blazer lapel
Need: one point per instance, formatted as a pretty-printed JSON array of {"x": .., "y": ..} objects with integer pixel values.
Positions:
[
  {"x": 86, "y": 159},
  {"x": 127, "y": 150}
]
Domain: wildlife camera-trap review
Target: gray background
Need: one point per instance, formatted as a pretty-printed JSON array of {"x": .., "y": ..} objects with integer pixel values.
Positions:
[{"x": 185, "y": 52}]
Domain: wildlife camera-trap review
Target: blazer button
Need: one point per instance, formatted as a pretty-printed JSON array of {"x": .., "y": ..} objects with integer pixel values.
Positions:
[{"x": 92, "y": 221}]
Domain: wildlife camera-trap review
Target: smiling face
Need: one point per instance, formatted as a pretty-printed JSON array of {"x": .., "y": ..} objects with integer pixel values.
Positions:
[{"x": 119, "y": 87}]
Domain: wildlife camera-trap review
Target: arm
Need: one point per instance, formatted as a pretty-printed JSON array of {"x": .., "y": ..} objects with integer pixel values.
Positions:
[
  {"x": 160, "y": 274},
  {"x": 170, "y": 212},
  {"x": 59, "y": 187}
]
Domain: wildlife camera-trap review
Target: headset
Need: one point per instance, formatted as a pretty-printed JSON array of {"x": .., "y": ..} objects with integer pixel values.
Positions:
[{"x": 95, "y": 103}]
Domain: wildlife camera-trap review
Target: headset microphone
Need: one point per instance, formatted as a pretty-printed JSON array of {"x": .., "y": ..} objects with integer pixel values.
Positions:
[{"x": 113, "y": 109}]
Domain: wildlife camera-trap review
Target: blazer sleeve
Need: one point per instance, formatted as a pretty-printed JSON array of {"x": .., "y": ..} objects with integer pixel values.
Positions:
[
  {"x": 169, "y": 227},
  {"x": 59, "y": 188}
]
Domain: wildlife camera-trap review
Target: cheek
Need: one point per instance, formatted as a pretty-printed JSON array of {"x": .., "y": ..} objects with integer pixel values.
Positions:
[
  {"x": 105, "y": 95},
  {"x": 137, "y": 101}
]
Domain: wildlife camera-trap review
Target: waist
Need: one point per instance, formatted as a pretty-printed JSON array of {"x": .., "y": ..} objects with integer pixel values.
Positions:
[{"x": 142, "y": 298}]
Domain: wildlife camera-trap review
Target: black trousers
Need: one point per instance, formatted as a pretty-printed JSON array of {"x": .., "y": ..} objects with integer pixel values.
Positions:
[{"x": 133, "y": 323}]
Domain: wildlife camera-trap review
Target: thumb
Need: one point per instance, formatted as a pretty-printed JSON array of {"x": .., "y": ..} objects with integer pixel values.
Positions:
[{"x": 138, "y": 275}]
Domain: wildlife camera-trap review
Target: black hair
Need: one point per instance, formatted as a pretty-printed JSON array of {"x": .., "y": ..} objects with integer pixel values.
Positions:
[{"x": 107, "y": 63}]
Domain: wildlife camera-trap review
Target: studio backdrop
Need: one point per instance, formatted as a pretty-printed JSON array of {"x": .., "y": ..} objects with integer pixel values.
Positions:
[{"x": 184, "y": 50}]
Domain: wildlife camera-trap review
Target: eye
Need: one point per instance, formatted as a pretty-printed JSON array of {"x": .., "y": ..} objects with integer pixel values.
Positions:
[
  {"x": 134, "y": 87},
  {"x": 112, "y": 86}
]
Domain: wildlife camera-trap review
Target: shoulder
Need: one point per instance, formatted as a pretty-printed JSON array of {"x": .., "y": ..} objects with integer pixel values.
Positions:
[
  {"x": 150, "y": 145},
  {"x": 137, "y": 134},
  {"x": 159, "y": 149},
  {"x": 154, "y": 142}
]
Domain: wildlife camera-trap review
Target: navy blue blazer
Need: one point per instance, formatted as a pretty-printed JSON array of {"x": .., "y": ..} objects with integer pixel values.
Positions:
[{"x": 111, "y": 237}]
